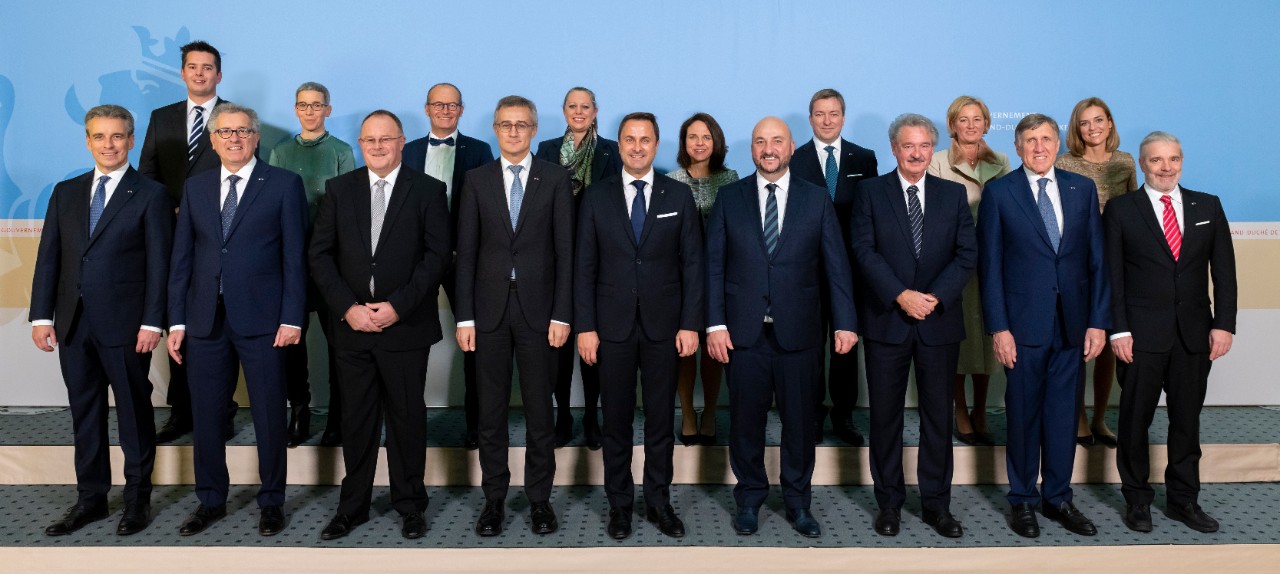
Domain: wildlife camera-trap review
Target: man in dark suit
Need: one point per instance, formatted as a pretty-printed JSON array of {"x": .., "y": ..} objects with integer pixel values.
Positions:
[
  {"x": 1046, "y": 301},
  {"x": 177, "y": 147},
  {"x": 638, "y": 303},
  {"x": 1164, "y": 244},
  {"x": 771, "y": 241},
  {"x": 515, "y": 275},
  {"x": 836, "y": 165},
  {"x": 380, "y": 247},
  {"x": 447, "y": 155},
  {"x": 914, "y": 241},
  {"x": 237, "y": 297},
  {"x": 100, "y": 273}
]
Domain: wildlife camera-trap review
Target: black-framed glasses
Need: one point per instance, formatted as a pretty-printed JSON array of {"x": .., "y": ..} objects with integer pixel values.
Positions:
[
  {"x": 520, "y": 127},
  {"x": 443, "y": 106},
  {"x": 315, "y": 106},
  {"x": 383, "y": 141},
  {"x": 225, "y": 133}
]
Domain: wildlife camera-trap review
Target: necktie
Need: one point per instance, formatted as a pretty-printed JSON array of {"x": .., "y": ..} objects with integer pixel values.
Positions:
[
  {"x": 771, "y": 219},
  {"x": 1046, "y": 213},
  {"x": 832, "y": 171},
  {"x": 99, "y": 202},
  {"x": 446, "y": 141},
  {"x": 1171, "y": 232},
  {"x": 229, "y": 206},
  {"x": 517, "y": 198},
  {"x": 193, "y": 140},
  {"x": 637, "y": 210},
  {"x": 916, "y": 215},
  {"x": 377, "y": 212}
]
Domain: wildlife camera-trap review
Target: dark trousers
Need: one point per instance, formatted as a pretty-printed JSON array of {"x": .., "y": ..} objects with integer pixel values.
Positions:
[
  {"x": 1041, "y": 402},
  {"x": 178, "y": 394},
  {"x": 1183, "y": 376},
  {"x": 757, "y": 375},
  {"x": 888, "y": 366},
  {"x": 470, "y": 398},
  {"x": 380, "y": 385},
  {"x": 659, "y": 366},
  {"x": 564, "y": 381},
  {"x": 214, "y": 363},
  {"x": 536, "y": 360},
  {"x": 88, "y": 367},
  {"x": 842, "y": 384}
]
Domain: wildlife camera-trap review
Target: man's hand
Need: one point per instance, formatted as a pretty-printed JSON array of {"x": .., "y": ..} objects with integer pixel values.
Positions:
[
  {"x": 360, "y": 318},
  {"x": 175, "y": 344},
  {"x": 147, "y": 341},
  {"x": 1094, "y": 341},
  {"x": 383, "y": 314},
  {"x": 588, "y": 343},
  {"x": 917, "y": 305},
  {"x": 686, "y": 342},
  {"x": 1006, "y": 350},
  {"x": 466, "y": 337},
  {"x": 845, "y": 340},
  {"x": 1219, "y": 343},
  {"x": 286, "y": 336},
  {"x": 719, "y": 344},
  {"x": 44, "y": 337},
  {"x": 557, "y": 334},
  {"x": 1123, "y": 348}
]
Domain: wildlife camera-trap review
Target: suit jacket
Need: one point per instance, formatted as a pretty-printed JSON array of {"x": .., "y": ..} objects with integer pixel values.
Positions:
[
  {"x": 118, "y": 273},
  {"x": 885, "y": 250},
  {"x": 468, "y": 154},
  {"x": 658, "y": 276},
  {"x": 540, "y": 249},
  {"x": 407, "y": 267},
  {"x": 856, "y": 164},
  {"x": 744, "y": 280},
  {"x": 261, "y": 264},
  {"x": 164, "y": 150},
  {"x": 1021, "y": 277},
  {"x": 606, "y": 161},
  {"x": 1161, "y": 300}
]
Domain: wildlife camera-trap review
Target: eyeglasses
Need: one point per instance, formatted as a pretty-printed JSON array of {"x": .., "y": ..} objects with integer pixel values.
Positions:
[
  {"x": 225, "y": 133},
  {"x": 442, "y": 106},
  {"x": 384, "y": 141},
  {"x": 520, "y": 127},
  {"x": 315, "y": 106}
]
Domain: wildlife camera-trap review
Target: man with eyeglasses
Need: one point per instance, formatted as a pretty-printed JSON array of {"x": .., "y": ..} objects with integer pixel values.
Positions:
[
  {"x": 515, "y": 275},
  {"x": 316, "y": 155},
  {"x": 237, "y": 297},
  {"x": 447, "y": 155}
]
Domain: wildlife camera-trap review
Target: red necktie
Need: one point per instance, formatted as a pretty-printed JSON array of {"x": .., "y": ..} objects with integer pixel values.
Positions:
[{"x": 1171, "y": 233}]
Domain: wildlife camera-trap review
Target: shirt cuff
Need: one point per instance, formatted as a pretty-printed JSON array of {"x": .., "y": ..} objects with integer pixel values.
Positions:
[
  {"x": 177, "y": 328},
  {"x": 1120, "y": 335},
  {"x": 845, "y": 331},
  {"x": 150, "y": 328},
  {"x": 559, "y": 322},
  {"x": 291, "y": 326},
  {"x": 715, "y": 328},
  {"x": 42, "y": 323},
  {"x": 462, "y": 324}
]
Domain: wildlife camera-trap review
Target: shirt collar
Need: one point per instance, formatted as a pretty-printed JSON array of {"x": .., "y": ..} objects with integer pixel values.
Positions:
[
  {"x": 1032, "y": 176},
  {"x": 115, "y": 175},
  {"x": 207, "y": 105},
  {"x": 647, "y": 178},
  {"x": 822, "y": 147},
  {"x": 527, "y": 162},
  {"x": 244, "y": 172},
  {"x": 391, "y": 178},
  {"x": 783, "y": 183},
  {"x": 432, "y": 135},
  {"x": 1175, "y": 195},
  {"x": 905, "y": 184}
]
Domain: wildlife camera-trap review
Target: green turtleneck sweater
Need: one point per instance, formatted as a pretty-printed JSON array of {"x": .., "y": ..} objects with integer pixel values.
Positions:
[{"x": 315, "y": 160}]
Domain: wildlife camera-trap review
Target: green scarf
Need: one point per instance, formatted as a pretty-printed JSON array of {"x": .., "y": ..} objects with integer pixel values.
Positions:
[{"x": 578, "y": 160}]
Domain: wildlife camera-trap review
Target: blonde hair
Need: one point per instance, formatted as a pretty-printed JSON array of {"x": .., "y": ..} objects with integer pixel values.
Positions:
[{"x": 985, "y": 153}]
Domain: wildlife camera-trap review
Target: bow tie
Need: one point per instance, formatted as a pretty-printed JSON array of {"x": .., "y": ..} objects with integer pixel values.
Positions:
[{"x": 435, "y": 142}]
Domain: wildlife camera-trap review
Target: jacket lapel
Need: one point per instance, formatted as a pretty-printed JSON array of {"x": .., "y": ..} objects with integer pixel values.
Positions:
[
  {"x": 250, "y": 192},
  {"x": 122, "y": 194},
  {"x": 1023, "y": 196},
  {"x": 750, "y": 196},
  {"x": 530, "y": 189},
  {"x": 898, "y": 204},
  {"x": 399, "y": 194},
  {"x": 933, "y": 216},
  {"x": 657, "y": 204},
  {"x": 202, "y": 142},
  {"x": 362, "y": 200},
  {"x": 1152, "y": 218},
  {"x": 618, "y": 205}
]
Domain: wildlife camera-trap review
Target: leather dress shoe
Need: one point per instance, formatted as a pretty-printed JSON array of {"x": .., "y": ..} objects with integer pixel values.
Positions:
[
  {"x": 413, "y": 525},
  {"x": 1107, "y": 440},
  {"x": 173, "y": 429},
  {"x": 491, "y": 518},
  {"x": 564, "y": 430},
  {"x": 847, "y": 432},
  {"x": 746, "y": 520},
  {"x": 667, "y": 521},
  {"x": 299, "y": 425},
  {"x": 804, "y": 522},
  {"x": 472, "y": 440},
  {"x": 888, "y": 521},
  {"x": 1070, "y": 518},
  {"x": 542, "y": 518},
  {"x": 943, "y": 523},
  {"x": 1193, "y": 516},
  {"x": 1138, "y": 517},
  {"x": 1022, "y": 520},
  {"x": 271, "y": 520},
  {"x": 969, "y": 438},
  {"x": 135, "y": 518},
  {"x": 342, "y": 525},
  {"x": 202, "y": 518},
  {"x": 76, "y": 518},
  {"x": 689, "y": 439},
  {"x": 1086, "y": 440},
  {"x": 619, "y": 523},
  {"x": 332, "y": 437}
]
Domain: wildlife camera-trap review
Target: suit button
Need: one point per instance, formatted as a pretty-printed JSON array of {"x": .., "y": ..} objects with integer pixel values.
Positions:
[
  {"x": 637, "y": 261},
  {"x": 224, "y": 250},
  {"x": 85, "y": 259},
  {"x": 633, "y": 291},
  {"x": 375, "y": 264}
]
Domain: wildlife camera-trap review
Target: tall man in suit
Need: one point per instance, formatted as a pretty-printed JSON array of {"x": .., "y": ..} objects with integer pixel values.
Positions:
[
  {"x": 515, "y": 275},
  {"x": 772, "y": 240},
  {"x": 1164, "y": 245},
  {"x": 1046, "y": 301},
  {"x": 237, "y": 297},
  {"x": 638, "y": 303},
  {"x": 100, "y": 274},
  {"x": 380, "y": 247},
  {"x": 914, "y": 241},
  {"x": 447, "y": 155},
  {"x": 177, "y": 147},
  {"x": 836, "y": 165}
]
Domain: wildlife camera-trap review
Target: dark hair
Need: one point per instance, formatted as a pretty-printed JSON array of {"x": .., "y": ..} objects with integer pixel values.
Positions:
[
  {"x": 639, "y": 117},
  {"x": 202, "y": 46},
  {"x": 1032, "y": 121},
  {"x": 385, "y": 114},
  {"x": 718, "y": 148},
  {"x": 823, "y": 94}
]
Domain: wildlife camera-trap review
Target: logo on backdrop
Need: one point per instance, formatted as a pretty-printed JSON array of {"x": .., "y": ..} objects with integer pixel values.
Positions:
[{"x": 156, "y": 80}]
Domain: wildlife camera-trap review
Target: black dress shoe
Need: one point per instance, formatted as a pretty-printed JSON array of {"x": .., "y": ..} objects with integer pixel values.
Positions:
[
  {"x": 202, "y": 518},
  {"x": 271, "y": 521},
  {"x": 667, "y": 521},
  {"x": 1107, "y": 440},
  {"x": 491, "y": 518},
  {"x": 804, "y": 522},
  {"x": 817, "y": 430},
  {"x": 173, "y": 429},
  {"x": 689, "y": 439},
  {"x": 847, "y": 432},
  {"x": 1022, "y": 520},
  {"x": 542, "y": 518},
  {"x": 76, "y": 518},
  {"x": 943, "y": 523},
  {"x": 413, "y": 525},
  {"x": 564, "y": 430},
  {"x": 746, "y": 520},
  {"x": 331, "y": 438},
  {"x": 1086, "y": 440},
  {"x": 888, "y": 521},
  {"x": 1138, "y": 517},
  {"x": 1070, "y": 518},
  {"x": 342, "y": 525},
  {"x": 591, "y": 432},
  {"x": 299, "y": 425},
  {"x": 969, "y": 438},
  {"x": 619, "y": 523},
  {"x": 1193, "y": 516},
  {"x": 472, "y": 440},
  {"x": 134, "y": 520}
]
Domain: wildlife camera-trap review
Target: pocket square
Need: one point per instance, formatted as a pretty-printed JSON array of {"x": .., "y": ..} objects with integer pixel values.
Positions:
[
  {"x": 854, "y": 175},
  {"x": 1203, "y": 222},
  {"x": 662, "y": 215}
]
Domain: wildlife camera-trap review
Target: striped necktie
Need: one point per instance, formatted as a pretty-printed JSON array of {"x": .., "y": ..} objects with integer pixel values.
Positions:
[
  {"x": 916, "y": 215},
  {"x": 771, "y": 219},
  {"x": 1171, "y": 232},
  {"x": 193, "y": 140}
]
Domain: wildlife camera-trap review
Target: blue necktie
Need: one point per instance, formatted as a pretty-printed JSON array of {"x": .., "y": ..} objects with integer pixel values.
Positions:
[
  {"x": 197, "y": 128},
  {"x": 229, "y": 206},
  {"x": 637, "y": 210},
  {"x": 916, "y": 215},
  {"x": 517, "y": 198},
  {"x": 98, "y": 203},
  {"x": 446, "y": 141},
  {"x": 1046, "y": 213},
  {"x": 771, "y": 219},
  {"x": 833, "y": 172}
]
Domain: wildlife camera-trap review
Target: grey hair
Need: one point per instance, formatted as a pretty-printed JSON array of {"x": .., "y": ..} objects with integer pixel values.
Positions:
[
  {"x": 455, "y": 88},
  {"x": 230, "y": 108},
  {"x": 1156, "y": 136},
  {"x": 911, "y": 121},
  {"x": 517, "y": 102},
  {"x": 1032, "y": 121},
  {"x": 109, "y": 111},
  {"x": 313, "y": 87}
]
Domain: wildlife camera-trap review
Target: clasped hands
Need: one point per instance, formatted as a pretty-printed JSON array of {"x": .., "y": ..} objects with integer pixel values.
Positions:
[{"x": 371, "y": 317}]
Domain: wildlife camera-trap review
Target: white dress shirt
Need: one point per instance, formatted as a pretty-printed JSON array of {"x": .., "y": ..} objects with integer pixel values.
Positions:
[
  {"x": 629, "y": 190},
  {"x": 191, "y": 113},
  {"x": 440, "y": 160},
  {"x": 780, "y": 194},
  {"x": 1051, "y": 190},
  {"x": 1154, "y": 197},
  {"x": 822, "y": 153},
  {"x": 906, "y": 197}
]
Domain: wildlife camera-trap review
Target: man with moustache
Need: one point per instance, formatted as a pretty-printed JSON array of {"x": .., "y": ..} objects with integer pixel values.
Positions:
[
  {"x": 380, "y": 247},
  {"x": 1046, "y": 302},
  {"x": 638, "y": 302},
  {"x": 99, "y": 293},
  {"x": 237, "y": 297},
  {"x": 771, "y": 241},
  {"x": 1164, "y": 245},
  {"x": 914, "y": 241}
]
